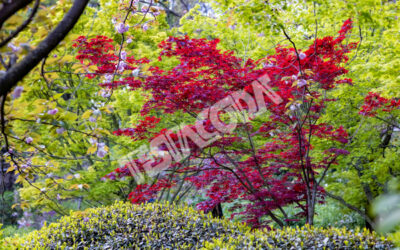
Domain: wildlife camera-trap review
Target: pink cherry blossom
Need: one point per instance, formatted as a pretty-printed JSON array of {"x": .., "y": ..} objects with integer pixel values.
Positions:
[
  {"x": 121, "y": 28},
  {"x": 108, "y": 78},
  {"x": 156, "y": 11},
  {"x": 17, "y": 92},
  {"x": 101, "y": 153},
  {"x": 60, "y": 130},
  {"x": 121, "y": 66},
  {"x": 123, "y": 55},
  {"x": 301, "y": 83},
  {"x": 93, "y": 141},
  {"x": 105, "y": 94},
  {"x": 52, "y": 111},
  {"x": 14, "y": 48}
]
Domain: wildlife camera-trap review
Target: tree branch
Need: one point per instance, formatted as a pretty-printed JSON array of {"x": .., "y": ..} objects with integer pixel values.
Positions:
[
  {"x": 21, "y": 69},
  {"x": 357, "y": 210},
  {"x": 23, "y": 25},
  {"x": 11, "y": 8}
]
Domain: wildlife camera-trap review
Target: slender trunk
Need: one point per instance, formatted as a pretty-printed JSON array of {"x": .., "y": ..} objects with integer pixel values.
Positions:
[
  {"x": 368, "y": 226},
  {"x": 311, "y": 200},
  {"x": 310, "y": 213},
  {"x": 217, "y": 211},
  {"x": 368, "y": 213}
]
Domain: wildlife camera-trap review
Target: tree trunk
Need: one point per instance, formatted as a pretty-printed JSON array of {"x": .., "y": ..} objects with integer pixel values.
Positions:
[
  {"x": 217, "y": 211},
  {"x": 310, "y": 210},
  {"x": 7, "y": 180},
  {"x": 368, "y": 225}
]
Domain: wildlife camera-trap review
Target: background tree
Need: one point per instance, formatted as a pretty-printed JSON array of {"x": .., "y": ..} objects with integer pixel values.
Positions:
[
  {"x": 243, "y": 27},
  {"x": 59, "y": 126}
]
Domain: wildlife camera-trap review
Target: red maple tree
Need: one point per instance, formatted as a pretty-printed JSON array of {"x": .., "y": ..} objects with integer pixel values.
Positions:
[{"x": 266, "y": 163}]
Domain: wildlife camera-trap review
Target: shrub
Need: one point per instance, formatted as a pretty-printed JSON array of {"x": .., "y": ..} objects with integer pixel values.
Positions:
[
  {"x": 306, "y": 237},
  {"x": 122, "y": 225},
  {"x": 10, "y": 231},
  {"x": 157, "y": 226},
  {"x": 9, "y": 214},
  {"x": 7, "y": 243}
]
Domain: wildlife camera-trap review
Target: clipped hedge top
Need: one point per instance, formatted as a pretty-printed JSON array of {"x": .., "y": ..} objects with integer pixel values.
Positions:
[
  {"x": 158, "y": 226},
  {"x": 306, "y": 237},
  {"x": 124, "y": 225}
]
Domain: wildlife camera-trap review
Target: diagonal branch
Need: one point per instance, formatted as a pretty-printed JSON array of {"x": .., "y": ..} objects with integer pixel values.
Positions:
[
  {"x": 9, "y": 9},
  {"x": 23, "y": 25},
  {"x": 355, "y": 209},
  {"x": 21, "y": 69}
]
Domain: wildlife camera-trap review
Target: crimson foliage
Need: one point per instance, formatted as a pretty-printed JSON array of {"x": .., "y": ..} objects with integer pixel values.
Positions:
[{"x": 267, "y": 163}]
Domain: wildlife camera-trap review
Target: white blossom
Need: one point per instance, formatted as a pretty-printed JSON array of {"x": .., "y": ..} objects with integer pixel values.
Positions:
[
  {"x": 93, "y": 141},
  {"x": 136, "y": 72},
  {"x": 97, "y": 112}
]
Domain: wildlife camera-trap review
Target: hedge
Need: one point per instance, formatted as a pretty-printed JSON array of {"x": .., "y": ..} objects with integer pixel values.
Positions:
[
  {"x": 166, "y": 226},
  {"x": 306, "y": 237},
  {"x": 127, "y": 226}
]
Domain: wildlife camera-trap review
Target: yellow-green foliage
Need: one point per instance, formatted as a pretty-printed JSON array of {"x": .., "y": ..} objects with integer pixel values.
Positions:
[
  {"x": 1, "y": 234},
  {"x": 306, "y": 237},
  {"x": 8, "y": 243},
  {"x": 123, "y": 225},
  {"x": 157, "y": 226}
]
